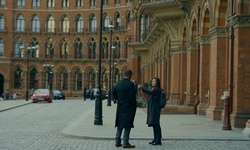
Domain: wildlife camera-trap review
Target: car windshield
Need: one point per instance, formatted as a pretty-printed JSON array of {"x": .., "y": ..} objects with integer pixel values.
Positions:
[
  {"x": 41, "y": 91},
  {"x": 56, "y": 91}
]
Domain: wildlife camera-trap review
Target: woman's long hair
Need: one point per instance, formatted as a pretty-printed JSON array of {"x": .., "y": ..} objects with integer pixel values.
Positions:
[{"x": 158, "y": 82}]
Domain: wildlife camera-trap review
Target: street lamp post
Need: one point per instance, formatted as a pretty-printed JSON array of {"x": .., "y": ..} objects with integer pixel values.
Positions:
[
  {"x": 111, "y": 27},
  {"x": 29, "y": 49},
  {"x": 98, "y": 101}
]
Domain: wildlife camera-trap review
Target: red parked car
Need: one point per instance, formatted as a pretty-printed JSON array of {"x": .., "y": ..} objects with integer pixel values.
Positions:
[{"x": 42, "y": 95}]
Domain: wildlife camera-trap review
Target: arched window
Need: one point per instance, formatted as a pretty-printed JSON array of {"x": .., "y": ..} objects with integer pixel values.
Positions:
[
  {"x": 118, "y": 47},
  {"x": 33, "y": 78},
  {"x": 2, "y": 23},
  {"x": 92, "y": 3},
  {"x": 49, "y": 49},
  {"x": 79, "y": 24},
  {"x": 35, "y": 24},
  {"x": 92, "y": 78},
  {"x": 117, "y": 75},
  {"x": 105, "y": 48},
  {"x": 65, "y": 3},
  {"x": 78, "y": 48},
  {"x": 1, "y": 47},
  {"x": 127, "y": 19},
  {"x": 20, "y": 23},
  {"x": 65, "y": 24},
  {"x": 64, "y": 48},
  {"x": 78, "y": 80},
  {"x": 117, "y": 2},
  {"x": 105, "y": 2},
  {"x": 2, "y": 3},
  {"x": 51, "y": 3},
  {"x": 93, "y": 23},
  {"x": 19, "y": 48},
  {"x": 92, "y": 49},
  {"x": 106, "y": 22},
  {"x": 35, "y": 3},
  {"x": 79, "y": 3},
  {"x": 17, "y": 78},
  {"x": 34, "y": 53},
  {"x": 64, "y": 80},
  {"x": 49, "y": 78},
  {"x": 20, "y": 3},
  {"x": 117, "y": 21},
  {"x": 51, "y": 24}
]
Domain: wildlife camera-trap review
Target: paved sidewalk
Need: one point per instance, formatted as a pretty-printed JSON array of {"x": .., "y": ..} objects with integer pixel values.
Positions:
[
  {"x": 173, "y": 127},
  {"x": 10, "y": 104}
]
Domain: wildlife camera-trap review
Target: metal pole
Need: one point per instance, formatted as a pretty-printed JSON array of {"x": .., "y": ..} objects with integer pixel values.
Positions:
[
  {"x": 27, "y": 76},
  {"x": 98, "y": 101},
  {"x": 110, "y": 72},
  {"x": 226, "y": 121}
]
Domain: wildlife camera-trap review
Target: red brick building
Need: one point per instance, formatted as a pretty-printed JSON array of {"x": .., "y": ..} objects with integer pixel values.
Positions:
[
  {"x": 58, "y": 43},
  {"x": 198, "y": 48}
]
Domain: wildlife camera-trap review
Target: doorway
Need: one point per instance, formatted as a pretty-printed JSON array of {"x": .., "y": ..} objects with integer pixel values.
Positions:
[{"x": 1, "y": 85}]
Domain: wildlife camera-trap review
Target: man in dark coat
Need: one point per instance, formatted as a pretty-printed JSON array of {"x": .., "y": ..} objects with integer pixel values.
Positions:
[
  {"x": 85, "y": 93},
  {"x": 125, "y": 95}
]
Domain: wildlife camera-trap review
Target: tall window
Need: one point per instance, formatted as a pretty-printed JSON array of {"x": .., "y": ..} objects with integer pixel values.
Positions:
[
  {"x": 117, "y": 22},
  {"x": 106, "y": 22},
  {"x": 65, "y": 24},
  {"x": 64, "y": 48},
  {"x": 2, "y": 23},
  {"x": 78, "y": 80},
  {"x": 105, "y": 2},
  {"x": 51, "y": 24},
  {"x": 20, "y": 24},
  {"x": 93, "y": 24},
  {"x": 117, "y": 1},
  {"x": 20, "y": 3},
  {"x": 17, "y": 78},
  {"x": 78, "y": 49},
  {"x": 105, "y": 48},
  {"x": 144, "y": 23},
  {"x": 127, "y": 19},
  {"x": 35, "y": 3},
  {"x": 33, "y": 78},
  {"x": 49, "y": 51},
  {"x": 79, "y": 24},
  {"x": 92, "y": 78},
  {"x": 64, "y": 80},
  {"x": 65, "y": 3},
  {"x": 118, "y": 47},
  {"x": 1, "y": 47},
  {"x": 2, "y": 3},
  {"x": 79, "y": 3},
  {"x": 51, "y": 3},
  {"x": 92, "y": 49},
  {"x": 19, "y": 47},
  {"x": 92, "y": 2},
  {"x": 35, "y": 24}
]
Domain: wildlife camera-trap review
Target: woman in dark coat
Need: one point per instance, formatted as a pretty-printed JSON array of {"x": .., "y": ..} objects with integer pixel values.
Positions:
[{"x": 154, "y": 110}]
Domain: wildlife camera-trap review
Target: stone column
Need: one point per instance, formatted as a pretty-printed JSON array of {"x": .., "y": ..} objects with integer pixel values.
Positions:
[
  {"x": 204, "y": 41},
  {"x": 241, "y": 69},
  {"x": 218, "y": 70},
  {"x": 183, "y": 74},
  {"x": 191, "y": 72}
]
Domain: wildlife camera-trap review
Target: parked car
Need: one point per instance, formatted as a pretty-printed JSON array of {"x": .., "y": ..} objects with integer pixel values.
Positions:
[
  {"x": 42, "y": 95},
  {"x": 57, "y": 94}
]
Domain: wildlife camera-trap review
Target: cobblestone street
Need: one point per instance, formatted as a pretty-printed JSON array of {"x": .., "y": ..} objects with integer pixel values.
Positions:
[{"x": 38, "y": 126}]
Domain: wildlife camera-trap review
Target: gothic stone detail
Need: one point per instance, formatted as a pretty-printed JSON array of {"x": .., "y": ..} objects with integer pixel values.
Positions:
[
  {"x": 204, "y": 39},
  {"x": 191, "y": 45},
  {"x": 218, "y": 32},
  {"x": 241, "y": 21}
]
